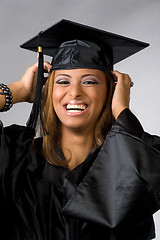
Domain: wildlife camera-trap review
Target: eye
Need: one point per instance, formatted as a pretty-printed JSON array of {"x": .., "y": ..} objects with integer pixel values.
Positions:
[
  {"x": 90, "y": 82},
  {"x": 62, "y": 81}
]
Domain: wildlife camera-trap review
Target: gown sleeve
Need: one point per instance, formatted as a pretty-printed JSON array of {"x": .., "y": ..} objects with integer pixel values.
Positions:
[
  {"x": 121, "y": 189},
  {"x": 5, "y": 185},
  {"x": 146, "y": 162},
  {"x": 14, "y": 142}
]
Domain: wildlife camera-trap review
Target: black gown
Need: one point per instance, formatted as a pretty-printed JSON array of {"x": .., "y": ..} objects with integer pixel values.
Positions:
[{"x": 112, "y": 195}]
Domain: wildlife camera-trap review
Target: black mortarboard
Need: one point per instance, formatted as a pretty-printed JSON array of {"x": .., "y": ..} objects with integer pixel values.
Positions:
[{"x": 73, "y": 45}]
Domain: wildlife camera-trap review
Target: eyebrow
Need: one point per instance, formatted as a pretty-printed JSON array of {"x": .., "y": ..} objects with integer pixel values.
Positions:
[
  {"x": 85, "y": 75},
  {"x": 65, "y": 75}
]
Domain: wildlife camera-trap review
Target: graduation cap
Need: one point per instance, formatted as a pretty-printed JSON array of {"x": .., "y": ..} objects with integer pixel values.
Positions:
[{"x": 73, "y": 45}]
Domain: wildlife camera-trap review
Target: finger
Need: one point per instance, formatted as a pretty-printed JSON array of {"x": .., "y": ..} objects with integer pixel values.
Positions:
[
  {"x": 114, "y": 74},
  {"x": 47, "y": 66},
  {"x": 122, "y": 78},
  {"x": 34, "y": 67},
  {"x": 118, "y": 77}
]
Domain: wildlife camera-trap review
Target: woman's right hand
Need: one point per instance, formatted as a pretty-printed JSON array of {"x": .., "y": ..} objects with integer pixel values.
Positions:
[{"x": 28, "y": 82}]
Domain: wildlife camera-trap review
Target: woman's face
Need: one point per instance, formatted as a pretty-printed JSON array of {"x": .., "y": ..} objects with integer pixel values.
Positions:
[{"x": 78, "y": 97}]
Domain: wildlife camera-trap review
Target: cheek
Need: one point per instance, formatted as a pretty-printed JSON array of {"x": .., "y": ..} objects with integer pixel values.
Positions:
[
  {"x": 57, "y": 95},
  {"x": 56, "y": 98},
  {"x": 101, "y": 102},
  {"x": 101, "y": 97}
]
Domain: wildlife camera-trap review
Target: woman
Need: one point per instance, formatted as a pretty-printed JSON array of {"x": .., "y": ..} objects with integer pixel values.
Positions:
[{"x": 94, "y": 173}]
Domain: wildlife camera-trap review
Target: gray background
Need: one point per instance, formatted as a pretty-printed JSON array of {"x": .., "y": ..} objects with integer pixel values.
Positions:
[{"x": 139, "y": 19}]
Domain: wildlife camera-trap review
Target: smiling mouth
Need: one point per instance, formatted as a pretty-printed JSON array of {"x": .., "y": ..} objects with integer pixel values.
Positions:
[{"x": 75, "y": 108}]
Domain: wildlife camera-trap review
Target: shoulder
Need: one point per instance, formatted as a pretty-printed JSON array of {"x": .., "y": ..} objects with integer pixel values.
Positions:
[
  {"x": 18, "y": 147},
  {"x": 128, "y": 122},
  {"x": 16, "y": 130},
  {"x": 14, "y": 136}
]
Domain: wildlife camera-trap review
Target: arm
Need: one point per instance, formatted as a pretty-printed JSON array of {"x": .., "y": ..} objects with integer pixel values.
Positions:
[
  {"x": 121, "y": 96},
  {"x": 123, "y": 116},
  {"x": 24, "y": 90}
]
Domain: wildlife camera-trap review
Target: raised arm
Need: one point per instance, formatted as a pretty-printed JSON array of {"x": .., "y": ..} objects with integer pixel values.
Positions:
[
  {"x": 121, "y": 96},
  {"x": 24, "y": 90}
]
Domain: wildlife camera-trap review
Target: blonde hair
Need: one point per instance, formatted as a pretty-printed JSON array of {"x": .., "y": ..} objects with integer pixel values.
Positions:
[{"x": 51, "y": 141}]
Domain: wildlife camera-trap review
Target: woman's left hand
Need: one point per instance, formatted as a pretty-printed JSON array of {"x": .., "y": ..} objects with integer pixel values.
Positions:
[{"x": 121, "y": 96}]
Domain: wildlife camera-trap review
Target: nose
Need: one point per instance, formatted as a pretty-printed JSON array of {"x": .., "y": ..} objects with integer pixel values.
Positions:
[{"x": 75, "y": 91}]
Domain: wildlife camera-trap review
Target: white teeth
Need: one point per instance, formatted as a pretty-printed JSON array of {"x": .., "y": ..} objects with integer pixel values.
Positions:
[
  {"x": 71, "y": 110},
  {"x": 75, "y": 108}
]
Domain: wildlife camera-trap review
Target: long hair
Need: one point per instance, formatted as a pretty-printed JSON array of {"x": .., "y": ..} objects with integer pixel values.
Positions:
[{"x": 51, "y": 139}]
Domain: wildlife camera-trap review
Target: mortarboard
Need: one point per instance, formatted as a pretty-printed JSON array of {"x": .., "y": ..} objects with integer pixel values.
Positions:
[{"x": 73, "y": 45}]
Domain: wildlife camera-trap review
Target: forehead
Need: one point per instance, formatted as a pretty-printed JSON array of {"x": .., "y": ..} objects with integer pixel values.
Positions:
[{"x": 80, "y": 72}]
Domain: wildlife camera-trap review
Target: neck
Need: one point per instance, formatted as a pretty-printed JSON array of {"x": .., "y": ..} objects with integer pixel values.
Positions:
[{"x": 76, "y": 145}]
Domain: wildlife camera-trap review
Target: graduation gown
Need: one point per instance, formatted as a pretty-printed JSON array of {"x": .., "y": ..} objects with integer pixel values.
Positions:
[{"x": 112, "y": 195}]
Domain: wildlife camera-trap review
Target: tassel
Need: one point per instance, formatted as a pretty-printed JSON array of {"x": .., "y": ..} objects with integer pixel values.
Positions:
[{"x": 37, "y": 104}]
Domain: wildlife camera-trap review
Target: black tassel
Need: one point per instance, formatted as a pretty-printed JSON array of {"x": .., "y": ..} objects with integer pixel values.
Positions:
[{"x": 37, "y": 104}]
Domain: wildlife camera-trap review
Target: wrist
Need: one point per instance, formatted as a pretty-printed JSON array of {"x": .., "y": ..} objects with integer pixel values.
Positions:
[
  {"x": 117, "y": 111},
  {"x": 17, "y": 92}
]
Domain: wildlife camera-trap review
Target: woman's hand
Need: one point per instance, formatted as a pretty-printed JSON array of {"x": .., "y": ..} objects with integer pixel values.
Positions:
[
  {"x": 24, "y": 90},
  {"x": 29, "y": 80},
  {"x": 121, "y": 96}
]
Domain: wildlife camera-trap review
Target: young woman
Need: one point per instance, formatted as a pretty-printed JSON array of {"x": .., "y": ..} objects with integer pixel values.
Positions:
[{"x": 94, "y": 173}]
